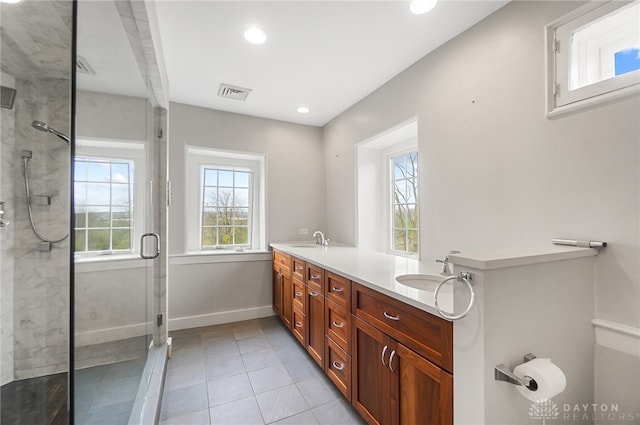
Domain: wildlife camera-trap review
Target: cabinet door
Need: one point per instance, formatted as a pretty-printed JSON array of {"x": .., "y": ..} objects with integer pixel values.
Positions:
[
  {"x": 315, "y": 328},
  {"x": 287, "y": 300},
  {"x": 277, "y": 292},
  {"x": 370, "y": 381},
  {"x": 422, "y": 393}
]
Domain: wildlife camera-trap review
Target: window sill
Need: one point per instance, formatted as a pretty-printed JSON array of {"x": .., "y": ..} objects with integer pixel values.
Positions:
[
  {"x": 108, "y": 262},
  {"x": 603, "y": 98},
  {"x": 219, "y": 256}
]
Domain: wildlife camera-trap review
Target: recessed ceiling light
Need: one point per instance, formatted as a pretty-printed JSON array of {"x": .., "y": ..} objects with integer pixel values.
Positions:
[
  {"x": 303, "y": 110},
  {"x": 419, "y": 7},
  {"x": 255, "y": 35}
]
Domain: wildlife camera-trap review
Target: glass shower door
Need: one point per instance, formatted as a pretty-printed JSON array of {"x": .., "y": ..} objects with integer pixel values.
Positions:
[{"x": 118, "y": 205}]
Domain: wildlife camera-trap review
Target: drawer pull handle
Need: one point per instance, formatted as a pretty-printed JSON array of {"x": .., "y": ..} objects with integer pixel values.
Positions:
[
  {"x": 337, "y": 365},
  {"x": 298, "y": 294},
  {"x": 298, "y": 324},
  {"x": 297, "y": 268},
  {"x": 336, "y": 289},
  {"x": 390, "y": 317},
  {"x": 282, "y": 260},
  {"x": 391, "y": 356},
  {"x": 313, "y": 293},
  {"x": 384, "y": 350},
  {"x": 315, "y": 277},
  {"x": 338, "y": 325}
]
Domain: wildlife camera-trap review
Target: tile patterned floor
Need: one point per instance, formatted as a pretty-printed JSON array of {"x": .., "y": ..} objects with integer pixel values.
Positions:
[
  {"x": 105, "y": 394},
  {"x": 251, "y": 372}
]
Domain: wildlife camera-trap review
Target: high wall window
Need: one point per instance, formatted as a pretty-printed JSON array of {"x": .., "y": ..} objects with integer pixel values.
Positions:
[
  {"x": 108, "y": 190},
  {"x": 404, "y": 202},
  {"x": 225, "y": 201},
  {"x": 594, "y": 55}
]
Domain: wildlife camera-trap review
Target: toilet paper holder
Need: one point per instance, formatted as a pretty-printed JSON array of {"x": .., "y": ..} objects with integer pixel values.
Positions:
[{"x": 502, "y": 373}]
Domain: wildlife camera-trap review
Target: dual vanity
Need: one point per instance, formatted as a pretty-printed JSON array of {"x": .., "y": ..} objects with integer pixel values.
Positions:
[
  {"x": 377, "y": 339},
  {"x": 369, "y": 321}
]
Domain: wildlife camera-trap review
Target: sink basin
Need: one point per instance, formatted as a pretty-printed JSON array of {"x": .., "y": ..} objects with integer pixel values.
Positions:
[{"x": 418, "y": 281}]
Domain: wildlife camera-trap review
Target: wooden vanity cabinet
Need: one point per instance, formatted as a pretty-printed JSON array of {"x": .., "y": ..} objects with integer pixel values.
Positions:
[
  {"x": 393, "y": 383},
  {"x": 282, "y": 287},
  {"x": 337, "y": 328},
  {"x": 315, "y": 313},
  {"x": 393, "y": 361}
]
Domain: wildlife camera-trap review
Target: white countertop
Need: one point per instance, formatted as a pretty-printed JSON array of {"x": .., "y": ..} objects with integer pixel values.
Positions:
[
  {"x": 375, "y": 270},
  {"x": 490, "y": 260},
  {"x": 378, "y": 271}
]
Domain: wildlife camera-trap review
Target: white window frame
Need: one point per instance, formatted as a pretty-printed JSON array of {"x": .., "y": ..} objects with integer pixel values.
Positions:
[
  {"x": 198, "y": 158},
  {"x": 387, "y": 156},
  {"x": 373, "y": 186},
  {"x": 127, "y": 150},
  {"x": 560, "y": 100}
]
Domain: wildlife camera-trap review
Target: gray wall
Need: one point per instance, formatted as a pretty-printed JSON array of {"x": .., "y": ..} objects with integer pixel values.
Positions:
[
  {"x": 204, "y": 292},
  {"x": 496, "y": 173}
]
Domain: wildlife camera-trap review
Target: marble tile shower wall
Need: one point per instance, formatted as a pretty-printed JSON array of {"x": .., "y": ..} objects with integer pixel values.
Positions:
[
  {"x": 7, "y": 141},
  {"x": 40, "y": 279}
]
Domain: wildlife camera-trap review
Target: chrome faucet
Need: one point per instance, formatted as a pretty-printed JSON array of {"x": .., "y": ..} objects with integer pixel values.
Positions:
[
  {"x": 320, "y": 239},
  {"x": 446, "y": 270}
]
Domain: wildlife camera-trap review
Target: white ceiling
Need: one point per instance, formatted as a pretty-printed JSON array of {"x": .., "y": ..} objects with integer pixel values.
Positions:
[{"x": 326, "y": 55}]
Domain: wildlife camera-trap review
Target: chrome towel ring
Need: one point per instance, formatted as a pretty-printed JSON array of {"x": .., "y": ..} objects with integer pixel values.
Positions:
[{"x": 464, "y": 277}]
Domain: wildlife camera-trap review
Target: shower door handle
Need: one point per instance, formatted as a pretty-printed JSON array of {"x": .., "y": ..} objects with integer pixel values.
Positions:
[{"x": 157, "y": 250}]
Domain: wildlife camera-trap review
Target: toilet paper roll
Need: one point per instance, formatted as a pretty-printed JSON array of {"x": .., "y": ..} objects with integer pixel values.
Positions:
[{"x": 549, "y": 378}]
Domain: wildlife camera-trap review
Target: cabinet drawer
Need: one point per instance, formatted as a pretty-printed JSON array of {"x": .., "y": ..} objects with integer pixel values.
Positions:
[
  {"x": 299, "y": 298},
  {"x": 298, "y": 268},
  {"x": 280, "y": 261},
  {"x": 314, "y": 278},
  {"x": 338, "y": 325},
  {"x": 338, "y": 290},
  {"x": 428, "y": 335},
  {"x": 298, "y": 327},
  {"x": 338, "y": 367}
]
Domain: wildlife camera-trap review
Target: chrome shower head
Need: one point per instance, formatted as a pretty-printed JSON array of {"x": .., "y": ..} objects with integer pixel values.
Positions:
[{"x": 42, "y": 126}]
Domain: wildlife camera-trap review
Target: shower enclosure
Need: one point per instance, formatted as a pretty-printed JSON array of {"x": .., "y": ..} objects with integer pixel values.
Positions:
[{"x": 82, "y": 213}]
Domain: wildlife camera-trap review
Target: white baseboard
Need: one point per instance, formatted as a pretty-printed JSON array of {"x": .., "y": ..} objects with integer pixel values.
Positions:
[
  {"x": 139, "y": 329},
  {"x": 111, "y": 334},
  {"x": 617, "y": 336},
  {"x": 219, "y": 318}
]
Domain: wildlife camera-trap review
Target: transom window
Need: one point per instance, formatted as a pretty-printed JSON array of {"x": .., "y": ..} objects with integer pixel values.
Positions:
[
  {"x": 103, "y": 196},
  {"x": 404, "y": 202},
  {"x": 226, "y": 207},
  {"x": 594, "y": 55}
]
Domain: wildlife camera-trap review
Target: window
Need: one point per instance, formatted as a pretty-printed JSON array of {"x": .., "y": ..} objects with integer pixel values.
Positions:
[
  {"x": 594, "y": 55},
  {"x": 226, "y": 207},
  {"x": 404, "y": 202},
  {"x": 387, "y": 192},
  {"x": 225, "y": 201},
  {"x": 107, "y": 189}
]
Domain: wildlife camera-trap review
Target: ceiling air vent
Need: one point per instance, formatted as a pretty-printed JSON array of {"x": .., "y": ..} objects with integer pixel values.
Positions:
[
  {"x": 233, "y": 92},
  {"x": 83, "y": 67}
]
